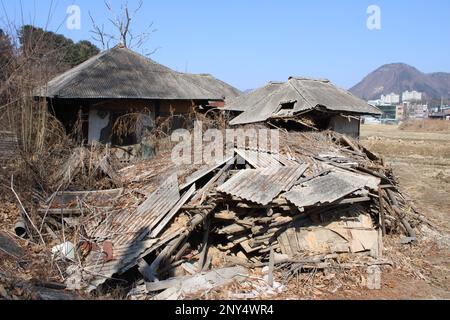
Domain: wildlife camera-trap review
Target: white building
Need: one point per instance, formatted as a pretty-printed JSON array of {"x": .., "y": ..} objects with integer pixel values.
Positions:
[
  {"x": 390, "y": 98},
  {"x": 375, "y": 102},
  {"x": 411, "y": 96}
]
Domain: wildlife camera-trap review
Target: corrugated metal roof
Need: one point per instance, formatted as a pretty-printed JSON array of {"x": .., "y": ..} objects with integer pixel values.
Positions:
[
  {"x": 306, "y": 94},
  {"x": 328, "y": 188},
  {"x": 120, "y": 73},
  {"x": 262, "y": 185}
]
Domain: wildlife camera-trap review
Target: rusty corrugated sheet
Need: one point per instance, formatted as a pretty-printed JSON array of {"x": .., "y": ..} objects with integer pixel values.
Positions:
[
  {"x": 126, "y": 226},
  {"x": 128, "y": 230},
  {"x": 262, "y": 185},
  {"x": 95, "y": 271}
]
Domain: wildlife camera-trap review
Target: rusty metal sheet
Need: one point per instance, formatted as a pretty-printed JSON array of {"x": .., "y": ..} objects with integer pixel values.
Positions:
[
  {"x": 127, "y": 232},
  {"x": 96, "y": 271},
  {"x": 126, "y": 226},
  {"x": 328, "y": 188},
  {"x": 262, "y": 185}
]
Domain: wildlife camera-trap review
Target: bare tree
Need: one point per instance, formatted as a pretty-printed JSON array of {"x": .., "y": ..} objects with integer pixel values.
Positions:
[{"x": 122, "y": 25}]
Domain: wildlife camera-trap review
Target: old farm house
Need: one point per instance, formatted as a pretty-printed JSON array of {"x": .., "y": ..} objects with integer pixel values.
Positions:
[
  {"x": 302, "y": 102},
  {"x": 119, "y": 81}
]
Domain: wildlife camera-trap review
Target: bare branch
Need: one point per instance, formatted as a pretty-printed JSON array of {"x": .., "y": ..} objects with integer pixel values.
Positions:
[{"x": 122, "y": 23}]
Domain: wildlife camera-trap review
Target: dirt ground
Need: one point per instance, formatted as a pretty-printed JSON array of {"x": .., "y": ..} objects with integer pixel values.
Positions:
[{"x": 421, "y": 162}]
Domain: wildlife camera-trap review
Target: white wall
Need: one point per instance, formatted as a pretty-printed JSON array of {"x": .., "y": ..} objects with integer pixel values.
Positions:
[{"x": 97, "y": 123}]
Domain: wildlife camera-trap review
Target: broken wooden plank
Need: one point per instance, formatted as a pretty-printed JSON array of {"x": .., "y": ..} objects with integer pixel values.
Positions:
[
  {"x": 200, "y": 282},
  {"x": 401, "y": 215},
  {"x": 204, "y": 252},
  {"x": 203, "y": 172},
  {"x": 161, "y": 222}
]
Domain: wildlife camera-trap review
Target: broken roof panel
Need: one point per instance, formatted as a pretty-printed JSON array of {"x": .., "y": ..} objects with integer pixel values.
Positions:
[
  {"x": 296, "y": 96},
  {"x": 258, "y": 159},
  {"x": 129, "y": 225},
  {"x": 120, "y": 73},
  {"x": 324, "y": 93},
  {"x": 262, "y": 185},
  {"x": 261, "y": 159},
  {"x": 328, "y": 188},
  {"x": 128, "y": 231}
]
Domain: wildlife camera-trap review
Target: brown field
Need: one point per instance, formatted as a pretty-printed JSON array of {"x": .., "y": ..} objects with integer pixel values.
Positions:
[
  {"x": 421, "y": 162},
  {"x": 426, "y": 125}
]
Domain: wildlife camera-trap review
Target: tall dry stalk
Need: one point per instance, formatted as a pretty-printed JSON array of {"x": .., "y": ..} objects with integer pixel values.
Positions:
[{"x": 41, "y": 139}]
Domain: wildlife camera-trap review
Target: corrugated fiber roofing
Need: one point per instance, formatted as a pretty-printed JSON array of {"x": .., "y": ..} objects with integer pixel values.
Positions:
[
  {"x": 248, "y": 100},
  {"x": 262, "y": 185},
  {"x": 121, "y": 73},
  {"x": 308, "y": 94}
]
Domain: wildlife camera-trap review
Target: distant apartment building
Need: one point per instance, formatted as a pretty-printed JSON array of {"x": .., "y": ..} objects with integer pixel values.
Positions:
[
  {"x": 418, "y": 111},
  {"x": 391, "y": 98},
  {"x": 411, "y": 96}
]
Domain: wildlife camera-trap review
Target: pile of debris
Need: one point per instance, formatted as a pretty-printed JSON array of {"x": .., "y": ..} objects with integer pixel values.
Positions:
[{"x": 322, "y": 196}]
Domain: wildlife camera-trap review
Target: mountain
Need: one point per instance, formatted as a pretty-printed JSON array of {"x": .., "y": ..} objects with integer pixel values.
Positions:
[{"x": 399, "y": 77}]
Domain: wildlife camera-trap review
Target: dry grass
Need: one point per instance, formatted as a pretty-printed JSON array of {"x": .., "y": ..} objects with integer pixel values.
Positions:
[
  {"x": 428, "y": 125},
  {"x": 160, "y": 136}
]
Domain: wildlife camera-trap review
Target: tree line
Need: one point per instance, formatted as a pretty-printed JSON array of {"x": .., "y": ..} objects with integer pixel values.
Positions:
[{"x": 44, "y": 45}]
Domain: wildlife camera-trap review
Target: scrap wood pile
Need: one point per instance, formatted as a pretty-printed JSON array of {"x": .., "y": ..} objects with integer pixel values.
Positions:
[{"x": 323, "y": 196}]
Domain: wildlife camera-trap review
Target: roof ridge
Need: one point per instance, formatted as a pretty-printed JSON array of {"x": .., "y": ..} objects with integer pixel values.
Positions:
[{"x": 303, "y": 78}]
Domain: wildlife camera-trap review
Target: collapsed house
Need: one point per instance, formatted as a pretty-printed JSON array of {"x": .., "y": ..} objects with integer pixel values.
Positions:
[
  {"x": 180, "y": 229},
  {"x": 119, "y": 81},
  {"x": 302, "y": 102},
  {"x": 162, "y": 230}
]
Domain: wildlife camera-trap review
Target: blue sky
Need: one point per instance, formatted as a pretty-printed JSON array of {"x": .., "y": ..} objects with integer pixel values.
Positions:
[{"x": 248, "y": 43}]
